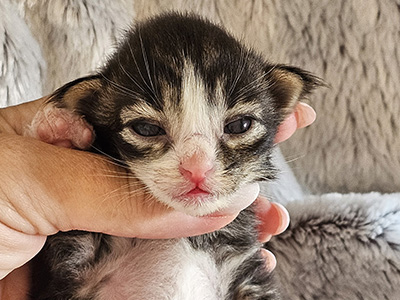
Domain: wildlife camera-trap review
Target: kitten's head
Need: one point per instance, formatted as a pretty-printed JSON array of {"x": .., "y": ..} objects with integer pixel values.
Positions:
[{"x": 191, "y": 111}]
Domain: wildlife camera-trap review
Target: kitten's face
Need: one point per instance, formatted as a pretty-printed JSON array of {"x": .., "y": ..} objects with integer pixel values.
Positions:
[
  {"x": 197, "y": 150},
  {"x": 191, "y": 111}
]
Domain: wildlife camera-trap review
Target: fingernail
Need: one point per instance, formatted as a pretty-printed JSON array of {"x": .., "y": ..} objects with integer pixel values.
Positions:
[
  {"x": 284, "y": 218},
  {"x": 305, "y": 114},
  {"x": 270, "y": 259},
  {"x": 264, "y": 237}
]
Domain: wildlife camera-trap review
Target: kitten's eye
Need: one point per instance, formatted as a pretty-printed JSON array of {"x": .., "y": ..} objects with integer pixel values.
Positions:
[
  {"x": 239, "y": 126},
  {"x": 147, "y": 129}
]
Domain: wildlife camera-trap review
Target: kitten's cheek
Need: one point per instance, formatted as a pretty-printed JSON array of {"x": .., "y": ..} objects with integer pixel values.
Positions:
[{"x": 242, "y": 199}]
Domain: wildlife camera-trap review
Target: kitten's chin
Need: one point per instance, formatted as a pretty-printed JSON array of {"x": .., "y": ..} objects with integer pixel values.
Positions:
[{"x": 198, "y": 202}]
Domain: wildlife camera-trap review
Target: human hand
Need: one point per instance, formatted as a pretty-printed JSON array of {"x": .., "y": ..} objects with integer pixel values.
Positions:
[
  {"x": 274, "y": 217},
  {"x": 31, "y": 210},
  {"x": 302, "y": 116}
]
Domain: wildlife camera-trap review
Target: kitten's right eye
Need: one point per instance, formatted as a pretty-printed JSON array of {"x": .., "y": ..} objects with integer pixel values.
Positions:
[{"x": 147, "y": 129}]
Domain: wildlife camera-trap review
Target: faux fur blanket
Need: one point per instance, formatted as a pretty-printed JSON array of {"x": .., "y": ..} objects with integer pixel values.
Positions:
[
  {"x": 341, "y": 247},
  {"x": 338, "y": 246}
]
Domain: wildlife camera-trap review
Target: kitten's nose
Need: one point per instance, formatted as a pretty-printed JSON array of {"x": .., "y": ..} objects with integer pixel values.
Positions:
[{"x": 196, "y": 167}]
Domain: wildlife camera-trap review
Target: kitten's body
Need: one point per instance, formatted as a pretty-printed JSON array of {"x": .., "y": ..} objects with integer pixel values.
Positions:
[
  {"x": 193, "y": 114},
  {"x": 223, "y": 265}
]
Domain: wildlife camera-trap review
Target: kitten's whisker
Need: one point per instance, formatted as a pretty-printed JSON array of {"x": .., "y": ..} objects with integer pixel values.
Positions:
[
  {"x": 151, "y": 92},
  {"x": 137, "y": 66},
  {"x": 109, "y": 159},
  {"x": 130, "y": 189},
  {"x": 129, "y": 75},
  {"x": 257, "y": 83},
  {"x": 129, "y": 194},
  {"x": 294, "y": 158},
  {"x": 125, "y": 93},
  {"x": 121, "y": 88},
  {"x": 146, "y": 63},
  {"x": 116, "y": 161},
  {"x": 254, "y": 86},
  {"x": 239, "y": 72},
  {"x": 118, "y": 176},
  {"x": 123, "y": 190}
]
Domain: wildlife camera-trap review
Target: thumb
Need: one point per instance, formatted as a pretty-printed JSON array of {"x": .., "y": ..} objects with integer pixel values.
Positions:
[
  {"x": 57, "y": 189},
  {"x": 16, "y": 248},
  {"x": 14, "y": 119}
]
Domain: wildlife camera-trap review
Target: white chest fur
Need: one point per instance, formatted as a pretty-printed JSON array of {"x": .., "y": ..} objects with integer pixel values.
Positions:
[{"x": 163, "y": 269}]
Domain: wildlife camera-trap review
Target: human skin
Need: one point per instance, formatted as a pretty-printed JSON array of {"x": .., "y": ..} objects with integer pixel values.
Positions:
[{"x": 46, "y": 189}]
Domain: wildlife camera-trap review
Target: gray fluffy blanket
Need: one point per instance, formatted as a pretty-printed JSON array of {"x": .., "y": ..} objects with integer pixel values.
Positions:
[
  {"x": 341, "y": 246},
  {"x": 338, "y": 246}
]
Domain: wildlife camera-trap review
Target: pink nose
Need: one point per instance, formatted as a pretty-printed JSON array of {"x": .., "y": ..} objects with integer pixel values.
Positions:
[{"x": 196, "y": 168}]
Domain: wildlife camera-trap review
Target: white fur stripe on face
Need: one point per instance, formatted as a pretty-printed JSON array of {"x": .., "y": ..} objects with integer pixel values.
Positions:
[
  {"x": 195, "y": 111},
  {"x": 199, "y": 123}
]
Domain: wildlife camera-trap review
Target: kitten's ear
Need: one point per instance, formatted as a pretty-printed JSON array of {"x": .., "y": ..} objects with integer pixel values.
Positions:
[
  {"x": 75, "y": 94},
  {"x": 289, "y": 85}
]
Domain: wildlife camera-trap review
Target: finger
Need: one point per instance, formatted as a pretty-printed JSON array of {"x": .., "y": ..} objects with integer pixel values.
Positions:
[
  {"x": 243, "y": 198},
  {"x": 177, "y": 225},
  {"x": 16, "y": 285},
  {"x": 16, "y": 248},
  {"x": 20, "y": 116},
  {"x": 157, "y": 221},
  {"x": 270, "y": 259},
  {"x": 145, "y": 217},
  {"x": 303, "y": 116},
  {"x": 124, "y": 209},
  {"x": 274, "y": 218},
  {"x": 286, "y": 129}
]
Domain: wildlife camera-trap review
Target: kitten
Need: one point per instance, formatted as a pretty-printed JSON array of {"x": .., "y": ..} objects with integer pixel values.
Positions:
[{"x": 192, "y": 113}]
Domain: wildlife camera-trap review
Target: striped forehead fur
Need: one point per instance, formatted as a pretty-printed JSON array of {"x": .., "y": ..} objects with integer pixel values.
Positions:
[
  {"x": 198, "y": 117},
  {"x": 189, "y": 115}
]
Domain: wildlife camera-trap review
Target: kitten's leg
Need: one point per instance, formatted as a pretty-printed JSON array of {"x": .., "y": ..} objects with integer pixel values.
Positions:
[
  {"x": 254, "y": 282},
  {"x": 61, "y": 127}
]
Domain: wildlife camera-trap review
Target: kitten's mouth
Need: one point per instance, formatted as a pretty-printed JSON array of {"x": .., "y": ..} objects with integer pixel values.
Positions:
[
  {"x": 196, "y": 196},
  {"x": 197, "y": 192}
]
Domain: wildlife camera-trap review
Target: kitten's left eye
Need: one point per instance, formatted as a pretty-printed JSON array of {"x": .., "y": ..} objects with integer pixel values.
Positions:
[
  {"x": 147, "y": 129},
  {"x": 238, "y": 126}
]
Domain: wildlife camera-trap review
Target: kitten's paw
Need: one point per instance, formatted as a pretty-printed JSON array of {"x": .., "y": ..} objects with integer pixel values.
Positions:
[{"x": 61, "y": 127}]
